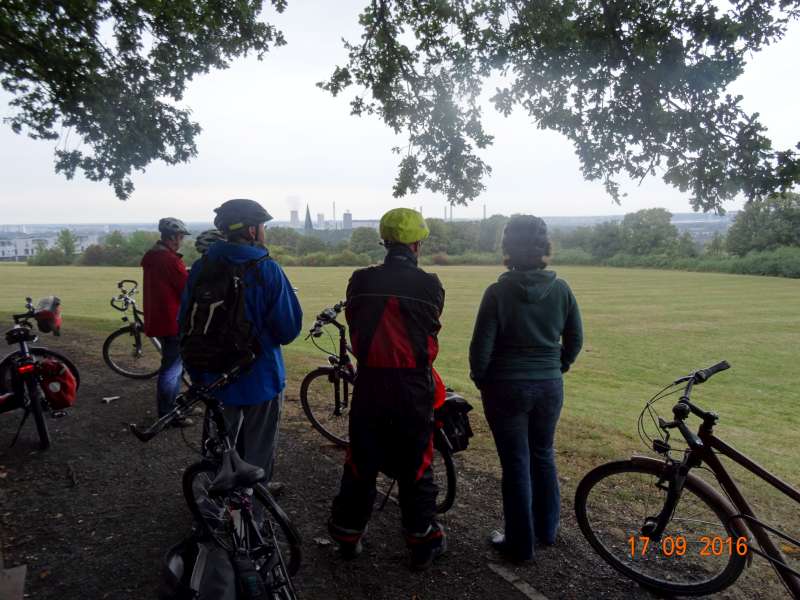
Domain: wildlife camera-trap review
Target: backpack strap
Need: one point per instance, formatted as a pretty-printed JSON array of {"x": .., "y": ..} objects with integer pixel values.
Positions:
[{"x": 253, "y": 263}]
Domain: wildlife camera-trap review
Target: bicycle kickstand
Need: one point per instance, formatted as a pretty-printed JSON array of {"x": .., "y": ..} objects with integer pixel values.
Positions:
[
  {"x": 19, "y": 429},
  {"x": 386, "y": 495}
]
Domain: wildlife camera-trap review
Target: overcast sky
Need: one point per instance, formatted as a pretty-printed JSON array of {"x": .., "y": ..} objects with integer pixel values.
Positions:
[{"x": 270, "y": 134}]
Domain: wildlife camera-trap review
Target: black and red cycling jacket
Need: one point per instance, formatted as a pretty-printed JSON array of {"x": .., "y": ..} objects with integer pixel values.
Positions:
[{"x": 393, "y": 313}]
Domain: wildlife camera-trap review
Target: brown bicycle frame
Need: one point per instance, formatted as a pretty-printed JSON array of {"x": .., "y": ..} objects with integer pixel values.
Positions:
[{"x": 770, "y": 550}]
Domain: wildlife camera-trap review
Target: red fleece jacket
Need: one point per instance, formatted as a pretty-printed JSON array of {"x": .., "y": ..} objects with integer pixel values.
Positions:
[{"x": 164, "y": 279}]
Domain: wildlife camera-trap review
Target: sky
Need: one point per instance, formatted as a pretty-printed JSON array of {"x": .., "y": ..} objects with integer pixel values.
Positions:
[{"x": 271, "y": 135}]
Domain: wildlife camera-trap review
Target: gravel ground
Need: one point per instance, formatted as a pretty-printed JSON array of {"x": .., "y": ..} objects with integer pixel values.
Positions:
[{"x": 92, "y": 516}]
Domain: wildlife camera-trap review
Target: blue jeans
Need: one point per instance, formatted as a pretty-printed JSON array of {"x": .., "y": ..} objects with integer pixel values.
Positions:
[
  {"x": 523, "y": 416},
  {"x": 169, "y": 375}
]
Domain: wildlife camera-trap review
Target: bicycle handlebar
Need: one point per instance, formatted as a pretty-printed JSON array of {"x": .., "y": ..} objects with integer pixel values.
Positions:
[
  {"x": 121, "y": 298},
  {"x": 703, "y": 375},
  {"x": 326, "y": 317},
  {"x": 192, "y": 396},
  {"x": 121, "y": 286}
]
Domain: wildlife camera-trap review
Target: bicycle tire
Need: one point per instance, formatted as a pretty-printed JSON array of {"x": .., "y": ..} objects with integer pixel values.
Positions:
[
  {"x": 614, "y": 546},
  {"x": 319, "y": 404},
  {"x": 149, "y": 367},
  {"x": 449, "y": 495},
  {"x": 196, "y": 479},
  {"x": 37, "y": 352},
  {"x": 36, "y": 398},
  {"x": 444, "y": 474}
]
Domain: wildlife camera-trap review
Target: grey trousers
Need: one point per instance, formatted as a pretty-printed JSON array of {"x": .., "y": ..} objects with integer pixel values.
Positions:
[{"x": 256, "y": 431}]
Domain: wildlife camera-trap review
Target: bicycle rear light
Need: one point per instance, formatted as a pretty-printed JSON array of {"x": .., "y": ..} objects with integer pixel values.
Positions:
[{"x": 25, "y": 369}]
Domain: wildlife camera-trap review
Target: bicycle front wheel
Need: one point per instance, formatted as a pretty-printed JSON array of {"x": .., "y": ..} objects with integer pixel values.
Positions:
[
  {"x": 129, "y": 352},
  {"x": 326, "y": 396},
  {"x": 697, "y": 554},
  {"x": 223, "y": 519}
]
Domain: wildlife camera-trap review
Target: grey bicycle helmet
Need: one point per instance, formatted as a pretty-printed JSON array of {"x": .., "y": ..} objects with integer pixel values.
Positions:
[
  {"x": 207, "y": 238},
  {"x": 172, "y": 226},
  {"x": 238, "y": 213}
]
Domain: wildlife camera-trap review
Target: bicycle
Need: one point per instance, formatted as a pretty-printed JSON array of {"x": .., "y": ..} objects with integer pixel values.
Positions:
[
  {"x": 227, "y": 499},
  {"x": 128, "y": 351},
  {"x": 331, "y": 418},
  {"x": 20, "y": 375},
  {"x": 658, "y": 523}
]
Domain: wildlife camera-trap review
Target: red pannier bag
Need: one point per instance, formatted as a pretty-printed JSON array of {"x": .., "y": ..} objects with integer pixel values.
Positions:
[
  {"x": 48, "y": 315},
  {"x": 58, "y": 383}
]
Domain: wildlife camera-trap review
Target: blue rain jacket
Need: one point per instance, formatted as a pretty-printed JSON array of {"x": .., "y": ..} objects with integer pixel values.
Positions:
[{"x": 272, "y": 307}]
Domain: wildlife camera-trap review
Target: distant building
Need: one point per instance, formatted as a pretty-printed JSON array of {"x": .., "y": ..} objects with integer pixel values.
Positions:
[
  {"x": 347, "y": 220},
  {"x": 320, "y": 220},
  {"x": 294, "y": 220},
  {"x": 309, "y": 226},
  {"x": 20, "y": 247}
]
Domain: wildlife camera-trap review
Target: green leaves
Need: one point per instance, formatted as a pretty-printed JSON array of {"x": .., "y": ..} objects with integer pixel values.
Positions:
[
  {"x": 637, "y": 86},
  {"x": 117, "y": 93}
]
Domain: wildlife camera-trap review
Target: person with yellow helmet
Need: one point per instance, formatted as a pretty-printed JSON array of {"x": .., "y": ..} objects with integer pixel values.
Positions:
[{"x": 393, "y": 312}]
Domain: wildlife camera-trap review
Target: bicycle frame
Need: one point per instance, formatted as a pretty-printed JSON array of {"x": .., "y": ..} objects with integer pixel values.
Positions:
[
  {"x": 710, "y": 443},
  {"x": 218, "y": 449},
  {"x": 704, "y": 448}
]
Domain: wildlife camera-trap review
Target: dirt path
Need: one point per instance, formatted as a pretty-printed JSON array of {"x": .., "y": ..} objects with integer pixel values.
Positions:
[{"x": 92, "y": 516}]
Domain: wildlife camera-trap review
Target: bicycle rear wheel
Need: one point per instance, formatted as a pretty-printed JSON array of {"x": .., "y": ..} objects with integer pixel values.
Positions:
[
  {"x": 615, "y": 501},
  {"x": 216, "y": 516},
  {"x": 326, "y": 395},
  {"x": 444, "y": 476},
  {"x": 6, "y": 366},
  {"x": 129, "y": 352}
]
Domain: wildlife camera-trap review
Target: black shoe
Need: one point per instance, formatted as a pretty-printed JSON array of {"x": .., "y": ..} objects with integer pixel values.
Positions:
[
  {"x": 350, "y": 551},
  {"x": 497, "y": 540},
  {"x": 347, "y": 550},
  {"x": 276, "y": 488},
  {"x": 423, "y": 555}
]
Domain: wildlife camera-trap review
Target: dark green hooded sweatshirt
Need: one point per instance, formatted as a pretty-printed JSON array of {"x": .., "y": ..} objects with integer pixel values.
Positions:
[{"x": 528, "y": 327}]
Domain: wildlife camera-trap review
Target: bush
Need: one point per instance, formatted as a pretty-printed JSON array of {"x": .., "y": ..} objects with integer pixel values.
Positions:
[
  {"x": 49, "y": 257},
  {"x": 573, "y": 256}
]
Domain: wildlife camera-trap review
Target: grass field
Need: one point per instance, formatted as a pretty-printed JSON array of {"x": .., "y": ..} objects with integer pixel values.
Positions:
[{"x": 643, "y": 328}]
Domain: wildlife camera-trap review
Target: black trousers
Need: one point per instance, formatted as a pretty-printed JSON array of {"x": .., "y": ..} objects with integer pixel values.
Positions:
[{"x": 391, "y": 431}]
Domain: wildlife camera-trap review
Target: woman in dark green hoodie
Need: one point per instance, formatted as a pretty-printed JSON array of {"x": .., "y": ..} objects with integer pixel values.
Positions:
[{"x": 527, "y": 333}]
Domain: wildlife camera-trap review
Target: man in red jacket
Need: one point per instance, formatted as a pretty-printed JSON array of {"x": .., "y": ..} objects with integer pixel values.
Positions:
[{"x": 164, "y": 279}]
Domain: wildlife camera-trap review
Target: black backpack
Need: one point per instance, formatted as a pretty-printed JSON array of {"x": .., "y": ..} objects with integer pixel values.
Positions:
[{"x": 215, "y": 333}]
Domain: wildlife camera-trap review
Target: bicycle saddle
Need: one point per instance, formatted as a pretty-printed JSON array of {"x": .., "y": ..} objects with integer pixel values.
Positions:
[{"x": 235, "y": 473}]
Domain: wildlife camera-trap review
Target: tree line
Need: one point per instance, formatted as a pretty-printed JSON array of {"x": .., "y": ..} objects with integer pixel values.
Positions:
[{"x": 763, "y": 240}]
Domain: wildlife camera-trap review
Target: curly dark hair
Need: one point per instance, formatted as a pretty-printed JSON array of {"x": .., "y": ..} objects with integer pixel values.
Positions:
[{"x": 525, "y": 243}]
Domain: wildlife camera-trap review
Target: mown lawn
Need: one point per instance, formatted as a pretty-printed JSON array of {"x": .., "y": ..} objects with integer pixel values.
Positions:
[{"x": 643, "y": 328}]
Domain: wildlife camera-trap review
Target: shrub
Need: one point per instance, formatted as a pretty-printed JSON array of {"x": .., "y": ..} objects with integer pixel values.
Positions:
[
  {"x": 573, "y": 256},
  {"x": 49, "y": 257}
]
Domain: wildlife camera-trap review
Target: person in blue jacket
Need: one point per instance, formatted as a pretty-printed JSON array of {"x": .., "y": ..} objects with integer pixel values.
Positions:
[{"x": 256, "y": 398}]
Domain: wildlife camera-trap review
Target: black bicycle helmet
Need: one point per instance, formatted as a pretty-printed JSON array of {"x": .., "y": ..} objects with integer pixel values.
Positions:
[
  {"x": 238, "y": 213},
  {"x": 172, "y": 226},
  {"x": 207, "y": 238}
]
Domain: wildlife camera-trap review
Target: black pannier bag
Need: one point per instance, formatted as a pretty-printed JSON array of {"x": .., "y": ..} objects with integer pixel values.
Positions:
[{"x": 452, "y": 418}]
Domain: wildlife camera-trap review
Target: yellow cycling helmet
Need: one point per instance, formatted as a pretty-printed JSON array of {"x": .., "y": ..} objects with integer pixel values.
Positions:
[{"x": 403, "y": 226}]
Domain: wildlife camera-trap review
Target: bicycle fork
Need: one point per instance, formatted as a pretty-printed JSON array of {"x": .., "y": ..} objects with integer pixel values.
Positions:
[{"x": 673, "y": 482}]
